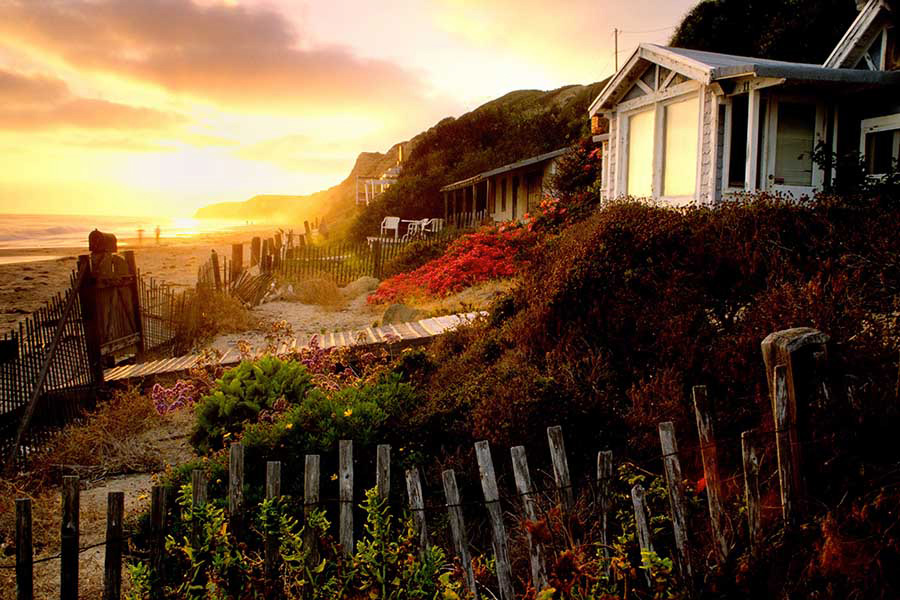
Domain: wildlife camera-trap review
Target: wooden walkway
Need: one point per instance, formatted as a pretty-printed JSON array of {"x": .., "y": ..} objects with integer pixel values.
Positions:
[{"x": 401, "y": 334}]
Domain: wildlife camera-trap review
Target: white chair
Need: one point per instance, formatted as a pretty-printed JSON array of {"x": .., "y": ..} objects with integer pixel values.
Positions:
[
  {"x": 433, "y": 225},
  {"x": 390, "y": 223}
]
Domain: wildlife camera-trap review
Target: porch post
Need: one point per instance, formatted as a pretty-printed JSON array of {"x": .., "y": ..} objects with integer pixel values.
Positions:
[{"x": 752, "y": 170}]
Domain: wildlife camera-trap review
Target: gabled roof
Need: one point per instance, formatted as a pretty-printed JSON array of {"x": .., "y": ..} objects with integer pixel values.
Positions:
[
  {"x": 505, "y": 168},
  {"x": 867, "y": 25},
  {"x": 708, "y": 67}
]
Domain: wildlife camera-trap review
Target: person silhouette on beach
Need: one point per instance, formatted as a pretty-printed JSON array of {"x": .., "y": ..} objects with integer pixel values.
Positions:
[{"x": 157, "y": 234}]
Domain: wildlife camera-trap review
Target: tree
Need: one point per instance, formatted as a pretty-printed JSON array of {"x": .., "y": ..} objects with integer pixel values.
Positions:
[{"x": 791, "y": 30}]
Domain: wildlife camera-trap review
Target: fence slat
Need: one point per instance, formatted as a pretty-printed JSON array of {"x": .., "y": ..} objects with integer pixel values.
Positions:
[
  {"x": 383, "y": 472},
  {"x": 751, "y": 453},
  {"x": 560, "y": 466},
  {"x": 198, "y": 498},
  {"x": 492, "y": 502},
  {"x": 24, "y": 551},
  {"x": 677, "y": 506},
  {"x": 346, "y": 495},
  {"x": 311, "y": 478},
  {"x": 526, "y": 490},
  {"x": 710, "y": 455},
  {"x": 417, "y": 505},
  {"x": 69, "y": 537},
  {"x": 786, "y": 477},
  {"x": 112, "y": 567},
  {"x": 235, "y": 478},
  {"x": 158, "y": 510},
  {"x": 272, "y": 541},
  {"x": 642, "y": 527},
  {"x": 604, "y": 495},
  {"x": 458, "y": 529}
]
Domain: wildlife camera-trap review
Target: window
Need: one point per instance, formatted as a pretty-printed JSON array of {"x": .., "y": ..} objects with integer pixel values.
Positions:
[
  {"x": 794, "y": 143},
  {"x": 737, "y": 156},
  {"x": 503, "y": 195},
  {"x": 682, "y": 130},
  {"x": 880, "y": 144},
  {"x": 640, "y": 154}
]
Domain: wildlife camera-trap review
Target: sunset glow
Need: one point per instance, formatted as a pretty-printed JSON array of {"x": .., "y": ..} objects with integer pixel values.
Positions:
[{"x": 157, "y": 107}]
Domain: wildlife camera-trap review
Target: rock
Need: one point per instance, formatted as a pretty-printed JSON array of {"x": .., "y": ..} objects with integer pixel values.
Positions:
[
  {"x": 400, "y": 313},
  {"x": 360, "y": 286}
]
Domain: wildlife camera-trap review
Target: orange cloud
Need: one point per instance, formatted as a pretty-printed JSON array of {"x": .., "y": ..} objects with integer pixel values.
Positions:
[
  {"x": 41, "y": 102},
  {"x": 229, "y": 54}
]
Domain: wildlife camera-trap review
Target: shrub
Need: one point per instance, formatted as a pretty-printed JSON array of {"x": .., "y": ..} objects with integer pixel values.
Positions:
[
  {"x": 415, "y": 255},
  {"x": 244, "y": 391}
]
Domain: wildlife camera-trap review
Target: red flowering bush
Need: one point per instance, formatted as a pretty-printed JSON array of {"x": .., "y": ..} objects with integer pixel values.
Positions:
[{"x": 493, "y": 253}]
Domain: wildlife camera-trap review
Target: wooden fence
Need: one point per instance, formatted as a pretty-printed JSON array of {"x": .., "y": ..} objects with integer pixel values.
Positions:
[
  {"x": 163, "y": 310},
  {"x": 45, "y": 375},
  {"x": 786, "y": 378}
]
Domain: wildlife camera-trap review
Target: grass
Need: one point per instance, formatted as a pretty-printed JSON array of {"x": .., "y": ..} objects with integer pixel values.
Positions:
[{"x": 477, "y": 297}]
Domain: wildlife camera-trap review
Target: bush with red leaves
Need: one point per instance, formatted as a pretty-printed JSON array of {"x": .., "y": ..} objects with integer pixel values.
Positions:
[{"x": 492, "y": 253}]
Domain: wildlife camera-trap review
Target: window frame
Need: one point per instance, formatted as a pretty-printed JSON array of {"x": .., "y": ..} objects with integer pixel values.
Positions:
[
  {"x": 877, "y": 125},
  {"x": 659, "y": 106}
]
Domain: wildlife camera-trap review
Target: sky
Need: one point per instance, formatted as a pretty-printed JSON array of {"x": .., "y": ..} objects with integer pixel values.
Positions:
[{"x": 158, "y": 107}]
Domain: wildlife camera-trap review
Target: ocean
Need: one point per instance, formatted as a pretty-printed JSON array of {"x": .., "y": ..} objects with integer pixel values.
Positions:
[{"x": 20, "y": 232}]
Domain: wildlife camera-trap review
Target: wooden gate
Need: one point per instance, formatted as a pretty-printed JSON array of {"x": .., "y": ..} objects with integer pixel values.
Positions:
[{"x": 110, "y": 303}]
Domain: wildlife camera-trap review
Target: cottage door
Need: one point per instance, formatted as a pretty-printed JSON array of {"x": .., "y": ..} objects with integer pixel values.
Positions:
[{"x": 795, "y": 128}]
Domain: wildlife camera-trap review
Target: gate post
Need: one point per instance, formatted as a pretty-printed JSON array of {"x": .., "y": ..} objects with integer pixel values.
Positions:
[
  {"x": 135, "y": 300},
  {"x": 802, "y": 351},
  {"x": 87, "y": 296}
]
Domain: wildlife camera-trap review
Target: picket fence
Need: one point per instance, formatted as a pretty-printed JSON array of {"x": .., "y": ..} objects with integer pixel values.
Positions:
[{"x": 785, "y": 380}]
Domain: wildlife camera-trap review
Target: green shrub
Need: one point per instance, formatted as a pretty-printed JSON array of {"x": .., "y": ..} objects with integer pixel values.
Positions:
[
  {"x": 242, "y": 393},
  {"x": 416, "y": 254}
]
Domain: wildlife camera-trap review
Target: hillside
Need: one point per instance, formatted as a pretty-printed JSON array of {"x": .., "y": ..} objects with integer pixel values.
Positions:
[
  {"x": 514, "y": 126},
  {"x": 335, "y": 203}
]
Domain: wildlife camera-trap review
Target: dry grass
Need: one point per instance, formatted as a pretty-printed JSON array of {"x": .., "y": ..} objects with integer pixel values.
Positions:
[
  {"x": 318, "y": 292},
  {"x": 210, "y": 313},
  {"x": 109, "y": 440}
]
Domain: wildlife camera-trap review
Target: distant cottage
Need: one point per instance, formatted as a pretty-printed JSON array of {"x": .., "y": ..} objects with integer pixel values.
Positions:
[
  {"x": 686, "y": 125},
  {"x": 506, "y": 193}
]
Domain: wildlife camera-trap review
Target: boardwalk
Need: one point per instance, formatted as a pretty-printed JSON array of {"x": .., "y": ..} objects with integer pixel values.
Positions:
[{"x": 401, "y": 334}]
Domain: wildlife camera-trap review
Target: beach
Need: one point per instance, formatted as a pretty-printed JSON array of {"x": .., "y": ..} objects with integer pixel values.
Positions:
[{"x": 30, "y": 276}]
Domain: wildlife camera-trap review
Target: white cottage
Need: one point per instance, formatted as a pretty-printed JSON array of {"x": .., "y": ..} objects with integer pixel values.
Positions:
[{"x": 687, "y": 125}]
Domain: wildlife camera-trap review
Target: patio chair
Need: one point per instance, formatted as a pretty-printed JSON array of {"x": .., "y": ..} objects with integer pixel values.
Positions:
[
  {"x": 433, "y": 225},
  {"x": 390, "y": 223}
]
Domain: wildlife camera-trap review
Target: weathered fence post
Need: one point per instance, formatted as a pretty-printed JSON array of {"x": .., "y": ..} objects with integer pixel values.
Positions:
[
  {"x": 458, "y": 528},
  {"x": 710, "y": 455},
  {"x": 417, "y": 505},
  {"x": 676, "y": 497},
  {"x": 24, "y": 551},
  {"x": 134, "y": 289},
  {"x": 235, "y": 479},
  {"x": 526, "y": 491},
  {"x": 198, "y": 498},
  {"x": 255, "y": 248},
  {"x": 112, "y": 568},
  {"x": 492, "y": 502},
  {"x": 308, "y": 230},
  {"x": 751, "y": 454},
  {"x": 642, "y": 527},
  {"x": 346, "y": 495},
  {"x": 272, "y": 541},
  {"x": 311, "y": 479},
  {"x": 87, "y": 295},
  {"x": 604, "y": 495},
  {"x": 802, "y": 351},
  {"x": 560, "y": 466},
  {"x": 158, "y": 510},
  {"x": 217, "y": 273},
  {"x": 786, "y": 450},
  {"x": 383, "y": 472},
  {"x": 69, "y": 538},
  {"x": 237, "y": 261}
]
